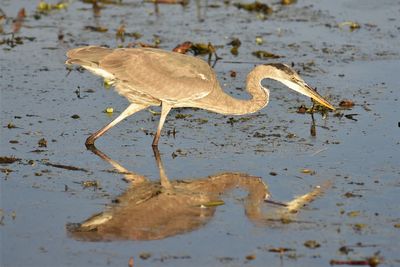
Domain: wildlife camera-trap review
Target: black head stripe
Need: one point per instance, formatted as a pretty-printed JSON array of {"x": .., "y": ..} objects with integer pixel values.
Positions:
[{"x": 283, "y": 68}]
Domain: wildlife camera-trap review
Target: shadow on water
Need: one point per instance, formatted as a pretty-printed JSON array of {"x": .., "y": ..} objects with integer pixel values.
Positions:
[{"x": 150, "y": 210}]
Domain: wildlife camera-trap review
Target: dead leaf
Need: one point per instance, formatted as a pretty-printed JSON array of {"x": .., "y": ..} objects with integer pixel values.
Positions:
[
  {"x": 346, "y": 103},
  {"x": 183, "y": 48},
  {"x": 19, "y": 20}
]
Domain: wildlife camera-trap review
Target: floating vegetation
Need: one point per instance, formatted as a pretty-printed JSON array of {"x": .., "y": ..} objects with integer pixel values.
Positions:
[
  {"x": 171, "y": 2},
  {"x": 15, "y": 40},
  {"x": 106, "y": 2},
  {"x": 6, "y": 171},
  {"x": 372, "y": 262},
  {"x": 255, "y": 7},
  {"x": 42, "y": 142},
  {"x": 351, "y": 24},
  {"x": 315, "y": 108},
  {"x": 109, "y": 110},
  {"x": 265, "y": 54},
  {"x": 96, "y": 28},
  {"x": 235, "y": 43},
  {"x": 288, "y": 2},
  {"x": 182, "y": 116},
  {"x": 19, "y": 20},
  {"x": 91, "y": 183},
  {"x": 197, "y": 49},
  {"x": 311, "y": 244},
  {"x": 121, "y": 34},
  {"x": 11, "y": 125},
  {"x": 251, "y": 257},
  {"x": 8, "y": 160},
  {"x": 145, "y": 255},
  {"x": 346, "y": 103},
  {"x": 66, "y": 167},
  {"x": 308, "y": 171},
  {"x": 280, "y": 250},
  {"x": 259, "y": 40},
  {"x": 183, "y": 48},
  {"x": 44, "y": 7},
  {"x": 203, "y": 49}
]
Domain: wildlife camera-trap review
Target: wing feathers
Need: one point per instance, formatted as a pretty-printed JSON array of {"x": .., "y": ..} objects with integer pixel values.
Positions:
[{"x": 159, "y": 74}]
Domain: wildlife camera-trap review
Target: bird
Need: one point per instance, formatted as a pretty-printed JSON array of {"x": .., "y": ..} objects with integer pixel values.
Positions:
[{"x": 156, "y": 77}]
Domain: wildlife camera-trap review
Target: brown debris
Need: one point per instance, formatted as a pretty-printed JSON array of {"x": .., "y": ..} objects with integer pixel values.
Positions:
[
  {"x": 280, "y": 250},
  {"x": 203, "y": 49},
  {"x": 302, "y": 109},
  {"x": 42, "y": 142},
  {"x": 19, "y": 20},
  {"x": 372, "y": 261},
  {"x": 264, "y": 54},
  {"x": 288, "y": 2},
  {"x": 183, "y": 48},
  {"x": 15, "y": 40},
  {"x": 7, "y": 171},
  {"x": 93, "y": 183},
  {"x": 346, "y": 103},
  {"x": 96, "y": 28},
  {"x": 120, "y": 34},
  {"x": 352, "y": 25},
  {"x": 255, "y": 7},
  {"x": 8, "y": 160},
  {"x": 67, "y": 167},
  {"x": 197, "y": 49},
  {"x": 44, "y": 7},
  {"x": 179, "y": 2},
  {"x": 235, "y": 43},
  {"x": 251, "y": 257},
  {"x": 145, "y": 255},
  {"x": 131, "y": 262},
  {"x": 312, "y": 244}
]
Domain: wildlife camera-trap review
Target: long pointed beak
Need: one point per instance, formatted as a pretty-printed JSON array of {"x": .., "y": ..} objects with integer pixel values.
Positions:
[
  {"x": 308, "y": 91},
  {"x": 301, "y": 87}
]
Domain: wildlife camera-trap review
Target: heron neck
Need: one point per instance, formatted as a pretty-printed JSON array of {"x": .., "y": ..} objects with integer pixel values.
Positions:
[{"x": 221, "y": 102}]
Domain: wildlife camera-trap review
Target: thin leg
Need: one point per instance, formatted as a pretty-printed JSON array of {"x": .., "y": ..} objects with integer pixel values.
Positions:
[
  {"x": 132, "y": 108},
  {"x": 165, "y": 108},
  {"x": 165, "y": 183}
]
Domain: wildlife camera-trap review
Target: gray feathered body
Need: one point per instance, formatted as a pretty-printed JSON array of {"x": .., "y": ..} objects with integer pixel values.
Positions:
[
  {"x": 146, "y": 75},
  {"x": 152, "y": 76}
]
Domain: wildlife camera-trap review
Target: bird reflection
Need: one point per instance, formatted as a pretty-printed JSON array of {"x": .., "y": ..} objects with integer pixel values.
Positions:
[{"x": 150, "y": 210}]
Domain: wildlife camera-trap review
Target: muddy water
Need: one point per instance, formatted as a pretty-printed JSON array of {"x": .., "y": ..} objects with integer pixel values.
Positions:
[{"x": 356, "y": 150}]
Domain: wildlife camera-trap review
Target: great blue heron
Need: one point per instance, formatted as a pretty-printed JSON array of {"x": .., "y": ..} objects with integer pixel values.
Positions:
[{"x": 154, "y": 77}]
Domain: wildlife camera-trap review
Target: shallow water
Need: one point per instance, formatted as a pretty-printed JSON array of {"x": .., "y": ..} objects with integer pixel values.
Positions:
[{"x": 356, "y": 156}]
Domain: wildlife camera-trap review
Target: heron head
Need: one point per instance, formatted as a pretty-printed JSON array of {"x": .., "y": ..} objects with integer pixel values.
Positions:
[{"x": 286, "y": 75}]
